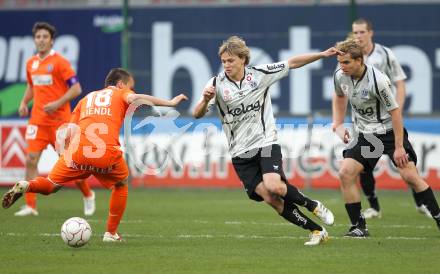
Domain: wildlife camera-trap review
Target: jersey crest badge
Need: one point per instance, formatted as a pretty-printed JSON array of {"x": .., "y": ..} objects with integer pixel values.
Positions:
[
  {"x": 364, "y": 94},
  {"x": 227, "y": 95}
]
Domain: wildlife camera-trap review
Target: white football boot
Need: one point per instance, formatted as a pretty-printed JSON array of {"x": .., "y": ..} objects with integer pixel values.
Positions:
[
  {"x": 370, "y": 213},
  {"x": 108, "y": 237},
  {"x": 13, "y": 194},
  {"x": 89, "y": 205},
  {"x": 424, "y": 210},
  {"x": 324, "y": 214},
  {"x": 317, "y": 237},
  {"x": 26, "y": 211}
]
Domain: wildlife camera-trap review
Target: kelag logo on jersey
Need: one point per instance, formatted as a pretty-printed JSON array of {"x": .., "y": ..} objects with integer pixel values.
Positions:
[
  {"x": 244, "y": 109},
  {"x": 368, "y": 111},
  {"x": 275, "y": 66},
  {"x": 386, "y": 98}
]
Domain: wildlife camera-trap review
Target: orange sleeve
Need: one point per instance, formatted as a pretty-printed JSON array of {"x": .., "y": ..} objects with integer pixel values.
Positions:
[
  {"x": 65, "y": 69},
  {"x": 125, "y": 93}
]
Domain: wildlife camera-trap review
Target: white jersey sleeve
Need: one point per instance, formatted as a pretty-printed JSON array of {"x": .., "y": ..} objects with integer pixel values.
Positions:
[
  {"x": 337, "y": 83},
  {"x": 272, "y": 72},
  {"x": 394, "y": 69},
  {"x": 384, "y": 92}
]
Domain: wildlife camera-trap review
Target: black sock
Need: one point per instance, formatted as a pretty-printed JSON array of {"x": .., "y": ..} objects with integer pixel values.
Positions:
[
  {"x": 293, "y": 195},
  {"x": 292, "y": 214},
  {"x": 374, "y": 202},
  {"x": 428, "y": 199},
  {"x": 354, "y": 212},
  {"x": 368, "y": 184},
  {"x": 416, "y": 198}
]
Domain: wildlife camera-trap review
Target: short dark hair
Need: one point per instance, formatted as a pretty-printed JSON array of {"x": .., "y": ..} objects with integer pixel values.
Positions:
[
  {"x": 115, "y": 75},
  {"x": 361, "y": 21},
  {"x": 44, "y": 25}
]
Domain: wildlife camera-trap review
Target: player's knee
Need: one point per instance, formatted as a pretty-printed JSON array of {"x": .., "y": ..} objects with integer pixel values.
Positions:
[
  {"x": 347, "y": 174},
  {"x": 410, "y": 177},
  {"x": 275, "y": 186},
  {"x": 274, "y": 201},
  {"x": 268, "y": 198}
]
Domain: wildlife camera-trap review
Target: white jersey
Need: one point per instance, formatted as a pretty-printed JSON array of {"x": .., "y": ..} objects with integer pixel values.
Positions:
[
  {"x": 384, "y": 59},
  {"x": 370, "y": 97},
  {"x": 245, "y": 107}
]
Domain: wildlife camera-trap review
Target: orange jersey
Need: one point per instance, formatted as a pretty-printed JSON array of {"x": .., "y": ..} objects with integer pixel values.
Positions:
[
  {"x": 99, "y": 116},
  {"x": 48, "y": 78}
]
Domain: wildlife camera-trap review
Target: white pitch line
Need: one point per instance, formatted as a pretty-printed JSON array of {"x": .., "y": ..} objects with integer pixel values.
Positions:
[
  {"x": 235, "y": 222},
  {"x": 211, "y": 236}
]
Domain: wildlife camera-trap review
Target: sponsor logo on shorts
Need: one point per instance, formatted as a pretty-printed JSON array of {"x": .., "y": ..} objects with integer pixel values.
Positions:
[
  {"x": 31, "y": 132},
  {"x": 91, "y": 168}
]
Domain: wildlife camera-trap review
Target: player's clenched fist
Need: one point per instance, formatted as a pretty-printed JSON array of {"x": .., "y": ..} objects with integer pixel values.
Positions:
[{"x": 208, "y": 93}]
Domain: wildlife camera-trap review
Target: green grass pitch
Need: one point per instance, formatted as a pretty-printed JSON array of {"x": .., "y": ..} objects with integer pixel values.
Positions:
[{"x": 215, "y": 231}]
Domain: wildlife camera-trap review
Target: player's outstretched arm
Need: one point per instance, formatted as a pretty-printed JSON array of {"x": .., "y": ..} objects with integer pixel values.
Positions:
[
  {"x": 154, "y": 101},
  {"x": 304, "y": 59},
  {"x": 202, "y": 106}
]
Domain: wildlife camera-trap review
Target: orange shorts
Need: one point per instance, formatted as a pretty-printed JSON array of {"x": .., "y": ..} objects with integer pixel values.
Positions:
[
  {"x": 38, "y": 137},
  {"x": 115, "y": 172}
]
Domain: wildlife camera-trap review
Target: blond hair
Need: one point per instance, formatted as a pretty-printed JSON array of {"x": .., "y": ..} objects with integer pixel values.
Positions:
[
  {"x": 235, "y": 46},
  {"x": 352, "y": 47}
]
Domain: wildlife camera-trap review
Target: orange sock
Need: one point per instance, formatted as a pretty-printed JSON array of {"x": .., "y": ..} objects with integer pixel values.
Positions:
[
  {"x": 42, "y": 185},
  {"x": 84, "y": 187},
  {"x": 31, "y": 199},
  {"x": 118, "y": 201}
]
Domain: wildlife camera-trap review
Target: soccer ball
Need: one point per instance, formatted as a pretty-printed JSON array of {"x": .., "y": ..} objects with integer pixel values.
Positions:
[{"x": 76, "y": 232}]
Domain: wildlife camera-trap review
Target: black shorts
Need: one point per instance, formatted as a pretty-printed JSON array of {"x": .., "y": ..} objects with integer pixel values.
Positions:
[
  {"x": 363, "y": 146},
  {"x": 251, "y": 166}
]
